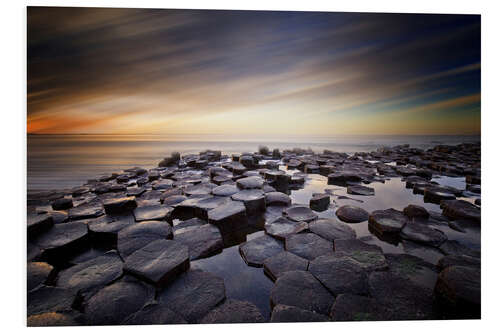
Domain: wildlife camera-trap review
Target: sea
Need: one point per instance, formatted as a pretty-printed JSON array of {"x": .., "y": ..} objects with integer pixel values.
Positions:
[{"x": 66, "y": 161}]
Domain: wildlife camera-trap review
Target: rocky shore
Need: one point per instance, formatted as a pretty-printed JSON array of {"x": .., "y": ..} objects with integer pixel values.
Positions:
[{"x": 125, "y": 248}]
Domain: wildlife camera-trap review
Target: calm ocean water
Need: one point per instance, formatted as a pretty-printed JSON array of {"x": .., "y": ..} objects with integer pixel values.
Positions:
[{"x": 65, "y": 161}]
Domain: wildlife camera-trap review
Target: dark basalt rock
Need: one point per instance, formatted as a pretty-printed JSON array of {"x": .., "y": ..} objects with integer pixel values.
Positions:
[
  {"x": 254, "y": 201},
  {"x": 39, "y": 273},
  {"x": 225, "y": 190},
  {"x": 300, "y": 214},
  {"x": 248, "y": 183},
  {"x": 453, "y": 247},
  {"x": 458, "y": 260},
  {"x": 38, "y": 224},
  {"x": 194, "y": 222},
  {"x": 437, "y": 194},
  {"x": 136, "y": 236},
  {"x": 282, "y": 227},
  {"x": 163, "y": 184},
  {"x": 174, "y": 200},
  {"x": 319, "y": 202},
  {"x": 114, "y": 303},
  {"x": 277, "y": 199},
  {"x": 421, "y": 233},
  {"x": 159, "y": 262},
  {"x": 202, "y": 207},
  {"x": 202, "y": 241},
  {"x": 308, "y": 246},
  {"x": 354, "y": 245},
  {"x": 59, "y": 216},
  {"x": 154, "y": 314},
  {"x": 301, "y": 289},
  {"x": 135, "y": 191},
  {"x": 63, "y": 240},
  {"x": 55, "y": 319},
  {"x": 49, "y": 299},
  {"x": 387, "y": 221},
  {"x": 360, "y": 190},
  {"x": 460, "y": 209},
  {"x": 404, "y": 299},
  {"x": 349, "y": 307},
  {"x": 331, "y": 229},
  {"x": 86, "y": 255},
  {"x": 369, "y": 260},
  {"x": 88, "y": 277},
  {"x": 458, "y": 291},
  {"x": 119, "y": 205},
  {"x": 292, "y": 314},
  {"x": 186, "y": 209},
  {"x": 352, "y": 214},
  {"x": 229, "y": 217},
  {"x": 193, "y": 295},
  {"x": 257, "y": 250},
  {"x": 62, "y": 204},
  {"x": 343, "y": 178},
  {"x": 414, "y": 211},
  {"x": 154, "y": 212},
  {"x": 200, "y": 189},
  {"x": 283, "y": 262},
  {"x": 86, "y": 211},
  {"x": 340, "y": 274},
  {"x": 413, "y": 268},
  {"x": 233, "y": 311}
]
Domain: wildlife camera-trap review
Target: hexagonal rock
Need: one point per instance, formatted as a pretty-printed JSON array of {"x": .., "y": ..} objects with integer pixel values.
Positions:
[
  {"x": 371, "y": 260},
  {"x": 89, "y": 276},
  {"x": 387, "y": 221},
  {"x": 354, "y": 245},
  {"x": 202, "y": 241},
  {"x": 38, "y": 224},
  {"x": 39, "y": 273},
  {"x": 319, "y": 202},
  {"x": 154, "y": 314},
  {"x": 193, "y": 294},
  {"x": 349, "y": 307},
  {"x": 300, "y": 214},
  {"x": 331, "y": 229},
  {"x": 254, "y": 200},
  {"x": 248, "y": 183},
  {"x": 63, "y": 240},
  {"x": 54, "y": 319},
  {"x": 174, "y": 200},
  {"x": 86, "y": 211},
  {"x": 282, "y": 227},
  {"x": 342, "y": 178},
  {"x": 403, "y": 298},
  {"x": 229, "y": 217},
  {"x": 352, "y": 214},
  {"x": 163, "y": 184},
  {"x": 135, "y": 191},
  {"x": 159, "y": 262},
  {"x": 465, "y": 225},
  {"x": 202, "y": 207},
  {"x": 303, "y": 290},
  {"x": 458, "y": 291},
  {"x": 292, "y": 314},
  {"x": 59, "y": 216},
  {"x": 49, "y": 299},
  {"x": 453, "y": 247},
  {"x": 436, "y": 194},
  {"x": 255, "y": 251},
  {"x": 138, "y": 235},
  {"x": 154, "y": 212},
  {"x": 225, "y": 190},
  {"x": 104, "y": 230},
  {"x": 414, "y": 211},
  {"x": 413, "y": 268},
  {"x": 283, "y": 262},
  {"x": 233, "y": 311},
  {"x": 308, "y": 245},
  {"x": 458, "y": 260},
  {"x": 62, "y": 204},
  {"x": 460, "y": 209},
  {"x": 340, "y": 275},
  {"x": 421, "y": 233},
  {"x": 119, "y": 205},
  {"x": 114, "y": 303},
  {"x": 277, "y": 199},
  {"x": 200, "y": 189},
  {"x": 360, "y": 190}
]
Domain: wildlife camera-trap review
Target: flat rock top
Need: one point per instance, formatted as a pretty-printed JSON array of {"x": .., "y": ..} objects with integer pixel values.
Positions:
[
  {"x": 153, "y": 212},
  {"x": 248, "y": 195},
  {"x": 355, "y": 245},
  {"x": 278, "y": 198},
  {"x": 460, "y": 209},
  {"x": 461, "y": 286},
  {"x": 255, "y": 251},
  {"x": 421, "y": 233},
  {"x": 283, "y": 262},
  {"x": 114, "y": 303},
  {"x": 50, "y": 299},
  {"x": 92, "y": 273},
  {"x": 227, "y": 210},
  {"x": 108, "y": 224},
  {"x": 292, "y": 314},
  {"x": 225, "y": 190},
  {"x": 360, "y": 190},
  {"x": 234, "y": 311},
  {"x": 212, "y": 202},
  {"x": 303, "y": 290},
  {"x": 340, "y": 275},
  {"x": 38, "y": 273},
  {"x": 154, "y": 314},
  {"x": 389, "y": 220},
  {"x": 159, "y": 261},
  {"x": 54, "y": 319},
  {"x": 308, "y": 245},
  {"x": 349, "y": 307},
  {"x": 352, "y": 214},
  {"x": 86, "y": 210},
  {"x": 253, "y": 182},
  {"x": 412, "y": 268},
  {"x": 62, "y": 234},
  {"x": 202, "y": 240},
  {"x": 331, "y": 229},
  {"x": 282, "y": 227},
  {"x": 199, "y": 189},
  {"x": 300, "y": 214},
  {"x": 140, "y": 234},
  {"x": 193, "y": 294}
]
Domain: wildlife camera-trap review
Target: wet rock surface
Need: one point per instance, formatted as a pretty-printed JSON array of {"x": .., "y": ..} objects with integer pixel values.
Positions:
[
  {"x": 308, "y": 246},
  {"x": 154, "y": 212},
  {"x": 39, "y": 273},
  {"x": 202, "y": 241},
  {"x": 154, "y": 314},
  {"x": 331, "y": 229},
  {"x": 352, "y": 214},
  {"x": 283, "y": 262},
  {"x": 282, "y": 227},
  {"x": 257, "y": 250},
  {"x": 234, "y": 311},
  {"x": 300, "y": 214},
  {"x": 292, "y": 314},
  {"x": 387, "y": 221},
  {"x": 136, "y": 236}
]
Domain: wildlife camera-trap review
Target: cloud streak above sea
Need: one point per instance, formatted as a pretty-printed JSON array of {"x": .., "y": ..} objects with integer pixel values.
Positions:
[{"x": 95, "y": 70}]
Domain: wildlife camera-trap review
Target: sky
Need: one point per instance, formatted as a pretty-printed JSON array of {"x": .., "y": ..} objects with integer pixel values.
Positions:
[{"x": 160, "y": 71}]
